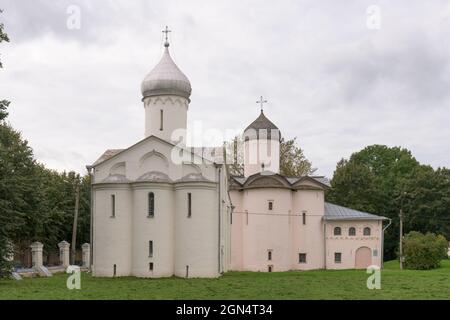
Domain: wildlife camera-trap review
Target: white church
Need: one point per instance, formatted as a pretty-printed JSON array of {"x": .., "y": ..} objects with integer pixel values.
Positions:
[{"x": 161, "y": 209}]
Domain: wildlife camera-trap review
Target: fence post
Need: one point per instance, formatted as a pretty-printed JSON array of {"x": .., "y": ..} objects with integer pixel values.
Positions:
[
  {"x": 36, "y": 254},
  {"x": 86, "y": 253},
  {"x": 64, "y": 253}
]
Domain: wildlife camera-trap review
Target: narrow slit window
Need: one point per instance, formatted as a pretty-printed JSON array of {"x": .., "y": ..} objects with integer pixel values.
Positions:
[
  {"x": 269, "y": 255},
  {"x": 161, "y": 118},
  {"x": 150, "y": 266},
  {"x": 304, "y": 218},
  {"x": 151, "y": 205},
  {"x": 189, "y": 204},
  {"x": 114, "y": 270},
  {"x": 113, "y": 206},
  {"x": 270, "y": 205},
  {"x": 150, "y": 249}
]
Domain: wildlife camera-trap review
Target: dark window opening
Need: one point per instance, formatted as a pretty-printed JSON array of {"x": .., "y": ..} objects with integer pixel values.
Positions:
[
  {"x": 337, "y": 231},
  {"x": 352, "y": 231},
  {"x": 151, "y": 205},
  {"x": 337, "y": 257},
  {"x": 302, "y": 257},
  {"x": 150, "y": 249},
  {"x": 113, "y": 206},
  {"x": 189, "y": 199}
]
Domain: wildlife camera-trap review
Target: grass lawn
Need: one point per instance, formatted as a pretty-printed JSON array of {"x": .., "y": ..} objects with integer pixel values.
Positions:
[{"x": 318, "y": 284}]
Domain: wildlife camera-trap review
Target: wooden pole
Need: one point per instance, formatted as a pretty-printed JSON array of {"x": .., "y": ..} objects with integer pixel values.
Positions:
[
  {"x": 401, "y": 239},
  {"x": 75, "y": 222}
]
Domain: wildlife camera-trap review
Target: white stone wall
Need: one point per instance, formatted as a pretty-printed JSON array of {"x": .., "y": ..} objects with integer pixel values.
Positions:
[
  {"x": 158, "y": 229},
  {"x": 112, "y": 236},
  {"x": 197, "y": 237},
  {"x": 259, "y": 151},
  {"x": 174, "y": 115}
]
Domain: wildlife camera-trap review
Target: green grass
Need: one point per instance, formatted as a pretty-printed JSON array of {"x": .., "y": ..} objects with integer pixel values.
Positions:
[{"x": 318, "y": 284}]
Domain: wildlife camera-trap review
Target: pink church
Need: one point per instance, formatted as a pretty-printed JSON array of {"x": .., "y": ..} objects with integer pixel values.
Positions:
[{"x": 282, "y": 223}]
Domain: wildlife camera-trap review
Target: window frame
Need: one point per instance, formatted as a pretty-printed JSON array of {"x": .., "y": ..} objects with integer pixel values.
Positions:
[
  {"x": 338, "y": 254},
  {"x": 369, "y": 233},
  {"x": 335, "y": 233},
  {"x": 354, "y": 232},
  {"x": 300, "y": 255}
]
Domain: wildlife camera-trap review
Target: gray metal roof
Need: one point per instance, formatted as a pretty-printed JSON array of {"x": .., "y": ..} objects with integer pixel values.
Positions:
[
  {"x": 292, "y": 180},
  {"x": 262, "y": 127},
  {"x": 107, "y": 154},
  {"x": 166, "y": 78},
  {"x": 335, "y": 212}
]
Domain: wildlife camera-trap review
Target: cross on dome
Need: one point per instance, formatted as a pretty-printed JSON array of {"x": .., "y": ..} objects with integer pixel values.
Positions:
[
  {"x": 166, "y": 31},
  {"x": 261, "y": 102}
]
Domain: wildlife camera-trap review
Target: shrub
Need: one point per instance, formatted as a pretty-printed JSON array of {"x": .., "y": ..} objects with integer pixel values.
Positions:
[{"x": 424, "y": 251}]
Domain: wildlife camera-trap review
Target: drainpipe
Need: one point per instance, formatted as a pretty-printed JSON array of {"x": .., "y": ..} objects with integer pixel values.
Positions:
[
  {"x": 324, "y": 244},
  {"x": 382, "y": 241},
  {"x": 91, "y": 231},
  {"x": 220, "y": 217}
]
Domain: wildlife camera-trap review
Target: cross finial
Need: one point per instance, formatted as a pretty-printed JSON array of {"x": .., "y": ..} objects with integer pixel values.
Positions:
[
  {"x": 166, "y": 31},
  {"x": 261, "y": 102}
]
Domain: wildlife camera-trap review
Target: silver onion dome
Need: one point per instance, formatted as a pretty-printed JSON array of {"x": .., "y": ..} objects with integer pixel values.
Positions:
[{"x": 166, "y": 79}]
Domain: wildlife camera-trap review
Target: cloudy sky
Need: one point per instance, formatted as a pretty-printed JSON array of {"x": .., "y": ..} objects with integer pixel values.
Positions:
[{"x": 338, "y": 75}]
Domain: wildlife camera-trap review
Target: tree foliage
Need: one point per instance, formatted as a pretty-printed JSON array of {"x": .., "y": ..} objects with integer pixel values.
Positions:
[
  {"x": 381, "y": 180},
  {"x": 424, "y": 251}
]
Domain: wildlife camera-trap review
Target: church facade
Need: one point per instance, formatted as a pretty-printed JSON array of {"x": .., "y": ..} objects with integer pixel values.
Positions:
[{"x": 161, "y": 209}]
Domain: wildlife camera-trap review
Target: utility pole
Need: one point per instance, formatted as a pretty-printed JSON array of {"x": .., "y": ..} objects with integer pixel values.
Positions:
[
  {"x": 401, "y": 238},
  {"x": 400, "y": 215},
  {"x": 75, "y": 222}
]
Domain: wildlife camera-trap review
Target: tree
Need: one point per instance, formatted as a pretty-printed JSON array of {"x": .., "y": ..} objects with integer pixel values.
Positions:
[
  {"x": 424, "y": 251},
  {"x": 293, "y": 162},
  {"x": 381, "y": 180},
  {"x": 3, "y": 103}
]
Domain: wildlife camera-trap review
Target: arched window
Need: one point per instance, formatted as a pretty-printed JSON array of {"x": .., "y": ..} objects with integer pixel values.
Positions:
[
  {"x": 337, "y": 231},
  {"x": 151, "y": 204},
  {"x": 352, "y": 231},
  {"x": 366, "y": 231}
]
